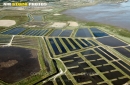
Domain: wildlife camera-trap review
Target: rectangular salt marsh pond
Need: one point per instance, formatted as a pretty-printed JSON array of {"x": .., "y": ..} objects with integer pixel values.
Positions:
[
  {"x": 41, "y": 33},
  {"x": 98, "y": 62},
  {"x": 35, "y": 32},
  {"x": 124, "y": 64},
  {"x": 97, "y": 78},
  {"x": 56, "y": 32},
  {"x": 82, "y": 78},
  {"x": 105, "y": 68},
  {"x": 54, "y": 46},
  {"x": 61, "y": 46},
  {"x": 90, "y": 71},
  {"x": 121, "y": 67},
  {"x": 58, "y": 81},
  {"x": 31, "y": 32},
  {"x": 92, "y": 57},
  {"x": 87, "y": 43},
  {"x": 111, "y": 41},
  {"x": 113, "y": 75},
  {"x": 103, "y": 54},
  {"x": 66, "y": 80},
  {"x": 70, "y": 57},
  {"x": 98, "y": 33},
  {"x": 78, "y": 59},
  {"x": 85, "y": 78},
  {"x": 67, "y": 44},
  {"x": 82, "y": 44},
  {"x": 95, "y": 44},
  {"x": 120, "y": 81},
  {"x": 113, "y": 56},
  {"x": 83, "y": 32},
  {"x": 72, "y": 41},
  {"x": 14, "y": 31},
  {"x": 71, "y": 64},
  {"x": 83, "y": 65},
  {"x": 76, "y": 70},
  {"x": 88, "y": 52},
  {"x": 37, "y": 17},
  {"x": 123, "y": 51},
  {"x": 66, "y": 33}
]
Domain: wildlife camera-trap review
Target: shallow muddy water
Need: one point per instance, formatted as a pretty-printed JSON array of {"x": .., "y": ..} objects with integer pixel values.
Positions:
[{"x": 112, "y": 14}]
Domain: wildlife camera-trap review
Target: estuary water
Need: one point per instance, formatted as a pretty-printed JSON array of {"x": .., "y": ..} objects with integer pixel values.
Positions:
[{"x": 113, "y": 14}]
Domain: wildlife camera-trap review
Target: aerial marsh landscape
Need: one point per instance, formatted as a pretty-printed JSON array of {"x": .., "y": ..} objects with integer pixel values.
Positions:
[{"x": 65, "y": 43}]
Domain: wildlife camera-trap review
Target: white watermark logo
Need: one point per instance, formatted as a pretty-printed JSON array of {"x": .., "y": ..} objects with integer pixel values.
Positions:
[{"x": 17, "y": 4}]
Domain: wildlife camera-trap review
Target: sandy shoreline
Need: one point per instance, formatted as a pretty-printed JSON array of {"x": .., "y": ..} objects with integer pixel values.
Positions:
[{"x": 7, "y": 23}]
